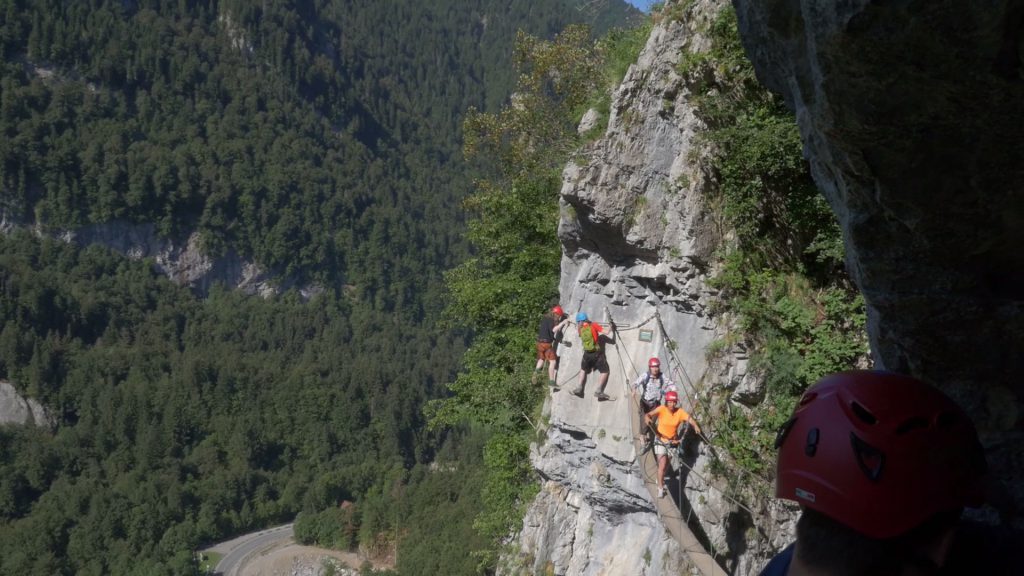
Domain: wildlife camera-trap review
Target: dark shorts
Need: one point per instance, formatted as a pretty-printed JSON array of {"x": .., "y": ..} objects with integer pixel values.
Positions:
[
  {"x": 545, "y": 351},
  {"x": 594, "y": 360}
]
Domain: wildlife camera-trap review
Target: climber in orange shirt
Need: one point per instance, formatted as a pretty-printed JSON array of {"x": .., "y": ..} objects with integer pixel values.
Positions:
[{"x": 670, "y": 419}]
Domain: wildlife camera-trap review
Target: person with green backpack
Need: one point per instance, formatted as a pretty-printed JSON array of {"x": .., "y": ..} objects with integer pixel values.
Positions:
[{"x": 593, "y": 338}]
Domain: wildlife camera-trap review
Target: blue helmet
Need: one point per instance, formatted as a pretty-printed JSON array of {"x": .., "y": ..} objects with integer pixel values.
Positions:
[{"x": 581, "y": 317}]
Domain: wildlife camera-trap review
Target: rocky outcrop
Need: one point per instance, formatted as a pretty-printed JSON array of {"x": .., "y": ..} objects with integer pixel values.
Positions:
[
  {"x": 912, "y": 116},
  {"x": 15, "y": 409},
  {"x": 183, "y": 260},
  {"x": 638, "y": 238}
]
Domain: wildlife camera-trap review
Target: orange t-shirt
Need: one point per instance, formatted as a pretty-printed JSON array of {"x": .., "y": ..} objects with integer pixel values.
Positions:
[{"x": 669, "y": 421}]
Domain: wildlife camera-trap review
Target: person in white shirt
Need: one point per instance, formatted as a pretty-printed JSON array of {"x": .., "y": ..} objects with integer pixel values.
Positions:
[{"x": 650, "y": 388}]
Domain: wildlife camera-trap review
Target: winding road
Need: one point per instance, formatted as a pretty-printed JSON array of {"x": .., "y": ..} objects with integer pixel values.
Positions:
[{"x": 236, "y": 552}]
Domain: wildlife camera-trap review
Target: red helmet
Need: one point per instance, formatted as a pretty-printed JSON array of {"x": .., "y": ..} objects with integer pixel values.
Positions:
[
  {"x": 671, "y": 396},
  {"x": 879, "y": 452},
  {"x": 654, "y": 362},
  {"x": 557, "y": 310}
]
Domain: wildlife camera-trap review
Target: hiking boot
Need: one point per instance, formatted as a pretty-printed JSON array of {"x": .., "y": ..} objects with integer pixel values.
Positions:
[
  {"x": 577, "y": 392},
  {"x": 661, "y": 491},
  {"x": 552, "y": 383},
  {"x": 601, "y": 396}
]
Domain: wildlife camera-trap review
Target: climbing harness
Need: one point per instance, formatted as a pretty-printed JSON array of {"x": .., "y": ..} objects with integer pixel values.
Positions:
[{"x": 687, "y": 386}]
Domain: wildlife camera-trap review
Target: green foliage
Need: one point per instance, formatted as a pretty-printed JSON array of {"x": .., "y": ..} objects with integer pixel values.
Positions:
[
  {"x": 428, "y": 509},
  {"x": 671, "y": 12},
  {"x": 514, "y": 270},
  {"x": 500, "y": 292},
  {"x": 535, "y": 132},
  {"x": 184, "y": 421},
  {"x": 208, "y": 561},
  {"x": 497, "y": 392},
  {"x": 618, "y": 50},
  {"x": 508, "y": 487},
  {"x": 336, "y": 527},
  {"x": 768, "y": 195},
  {"x": 782, "y": 278},
  {"x": 723, "y": 65},
  {"x": 320, "y": 139}
]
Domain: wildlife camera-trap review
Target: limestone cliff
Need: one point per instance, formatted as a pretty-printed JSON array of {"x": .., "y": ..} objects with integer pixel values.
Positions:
[
  {"x": 638, "y": 241},
  {"x": 912, "y": 116},
  {"x": 15, "y": 409},
  {"x": 183, "y": 260}
]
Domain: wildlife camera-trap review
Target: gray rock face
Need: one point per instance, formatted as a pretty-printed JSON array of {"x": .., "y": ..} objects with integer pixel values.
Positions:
[
  {"x": 912, "y": 115},
  {"x": 184, "y": 261},
  {"x": 638, "y": 238},
  {"x": 592, "y": 516},
  {"x": 14, "y": 409}
]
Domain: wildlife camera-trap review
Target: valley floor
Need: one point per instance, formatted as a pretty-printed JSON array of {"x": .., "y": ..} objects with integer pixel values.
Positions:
[{"x": 273, "y": 552}]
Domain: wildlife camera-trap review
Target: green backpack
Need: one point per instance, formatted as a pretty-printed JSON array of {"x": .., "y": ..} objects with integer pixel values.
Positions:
[{"x": 589, "y": 338}]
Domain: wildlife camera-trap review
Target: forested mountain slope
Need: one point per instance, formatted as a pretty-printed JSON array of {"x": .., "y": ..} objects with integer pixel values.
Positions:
[
  {"x": 320, "y": 140},
  {"x": 303, "y": 136}
]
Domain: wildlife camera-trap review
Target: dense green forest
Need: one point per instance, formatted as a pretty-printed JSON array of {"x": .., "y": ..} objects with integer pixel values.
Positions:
[
  {"x": 319, "y": 139},
  {"x": 181, "y": 421}
]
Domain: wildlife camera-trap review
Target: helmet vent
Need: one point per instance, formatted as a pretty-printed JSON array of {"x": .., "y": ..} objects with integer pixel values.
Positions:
[
  {"x": 780, "y": 436},
  {"x": 870, "y": 459},
  {"x": 863, "y": 414},
  {"x": 911, "y": 424},
  {"x": 811, "y": 448}
]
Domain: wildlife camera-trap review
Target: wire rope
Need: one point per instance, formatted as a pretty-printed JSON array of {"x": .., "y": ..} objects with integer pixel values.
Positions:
[
  {"x": 695, "y": 404},
  {"x": 693, "y": 396}
]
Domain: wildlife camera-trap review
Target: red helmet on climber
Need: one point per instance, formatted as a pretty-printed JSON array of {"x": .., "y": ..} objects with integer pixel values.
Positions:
[
  {"x": 557, "y": 311},
  {"x": 671, "y": 396},
  {"x": 654, "y": 362},
  {"x": 879, "y": 452}
]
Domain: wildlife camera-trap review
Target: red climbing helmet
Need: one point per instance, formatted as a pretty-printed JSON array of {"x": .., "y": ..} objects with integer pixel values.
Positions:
[
  {"x": 557, "y": 310},
  {"x": 671, "y": 396},
  {"x": 654, "y": 362},
  {"x": 879, "y": 452}
]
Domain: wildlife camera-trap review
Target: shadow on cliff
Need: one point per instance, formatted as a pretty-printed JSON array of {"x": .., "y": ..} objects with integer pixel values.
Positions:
[{"x": 675, "y": 481}]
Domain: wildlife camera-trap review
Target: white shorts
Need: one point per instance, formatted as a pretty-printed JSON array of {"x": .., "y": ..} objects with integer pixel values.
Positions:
[{"x": 662, "y": 448}]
